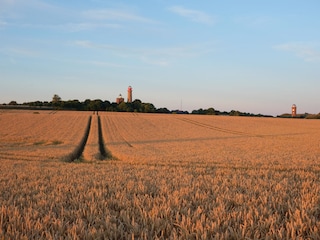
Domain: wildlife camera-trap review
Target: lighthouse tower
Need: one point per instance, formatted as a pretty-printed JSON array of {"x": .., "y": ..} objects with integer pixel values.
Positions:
[
  {"x": 294, "y": 110},
  {"x": 129, "y": 100}
]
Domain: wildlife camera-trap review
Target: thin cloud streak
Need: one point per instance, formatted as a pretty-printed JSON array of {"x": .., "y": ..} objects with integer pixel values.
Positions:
[
  {"x": 35, "y": 4},
  {"x": 107, "y": 64},
  {"x": 71, "y": 21},
  {"x": 254, "y": 21},
  {"x": 183, "y": 51},
  {"x": 77, "y": 27},
  {"x": 306, "y": 51},
  {"x": 193, "y": 15},
  {"x": 3, "y": 24},
  {"x": 68, "y": 27},
  {"x": 89, "y": 44},
  {"x": 154, "y": 56},
  {"x": 20, "y": 52},
  {"x": 116, "y": 14}
]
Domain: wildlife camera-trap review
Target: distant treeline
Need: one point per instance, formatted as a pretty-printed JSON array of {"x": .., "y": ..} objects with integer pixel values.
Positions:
[
  {"x": 305, "y": 115},
  {"x": 88, "y": 105},
  {"x": 135, "y": 106},
  {"x": 212, "y": 111},
  {"x": 99, "y": 105}
]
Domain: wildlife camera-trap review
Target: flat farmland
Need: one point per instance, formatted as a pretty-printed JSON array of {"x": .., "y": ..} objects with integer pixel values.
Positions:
[
  {"x": 153, "y": 176},
  {"x": 44, "y": 135},
  {"x": 220, "y": 140}
]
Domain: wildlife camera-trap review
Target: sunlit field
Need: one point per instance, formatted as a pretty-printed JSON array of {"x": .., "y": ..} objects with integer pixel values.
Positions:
[
  {"x": 42, "y": 136},
  {"x": 153, "y": 176}
]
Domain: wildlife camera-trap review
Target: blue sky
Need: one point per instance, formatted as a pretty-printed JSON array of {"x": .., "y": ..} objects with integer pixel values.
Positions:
[{"x": 251, "y": 56}]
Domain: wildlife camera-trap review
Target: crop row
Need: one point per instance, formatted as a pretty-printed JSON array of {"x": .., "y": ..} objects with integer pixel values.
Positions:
[
  {"x": 175, "y": 177},
  {"x": 94, "y": 148},
  {"x": 42, "y": 136},
  {"x": 219, "y": 140},
  {"x": 117, "y": 200},
  {"x": 35, "y": 136}
]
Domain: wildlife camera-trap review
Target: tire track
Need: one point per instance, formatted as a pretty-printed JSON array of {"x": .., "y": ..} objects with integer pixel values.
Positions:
[
  {"x": 218, "y": 129},
  {"x": 103, "y": 151},
  {"x": 77, "y": 152},
  {"x": 93, "y": 147}
]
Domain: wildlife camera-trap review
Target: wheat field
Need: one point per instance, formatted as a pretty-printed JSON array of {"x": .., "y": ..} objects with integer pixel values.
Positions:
[
  {"x": 33, "y": 136},
  {"x": 153, "y": 176}
]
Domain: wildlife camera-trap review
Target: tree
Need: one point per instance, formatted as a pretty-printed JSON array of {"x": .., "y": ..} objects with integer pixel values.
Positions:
[
  {"x": 122, "y": 107},
  {"x": 148, "y": 108},
  {"x": 13, "y": 103},
  {"x": 56, "y": 101},
  {"x": 199, "y": 111},
  {"x": 234, "y": 113},
  {"x": 56, "y": 98},
  {"x": 162, "y": 110},
  {"x": 136, "y": 104},
  {"x": 211, "y": 111},
  {"x": 73, "y": 104},
  {"x": 95, "y": 105},
  {"x": 113, "y": 107},
  {"x": 106, "y": 105}
]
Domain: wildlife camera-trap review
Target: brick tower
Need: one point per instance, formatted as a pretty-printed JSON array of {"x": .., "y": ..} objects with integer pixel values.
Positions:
[
  {"x": 129, "y": 100},
  {"x": 119, "y": 99},
  {"x": 294, "y": 110}
]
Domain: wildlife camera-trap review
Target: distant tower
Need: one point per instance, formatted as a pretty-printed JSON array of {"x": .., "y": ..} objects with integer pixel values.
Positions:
[
  {"x": 129, "y": 100},
  {"x": 294, "y": 110},
  {"x": 119, "y": 99}
]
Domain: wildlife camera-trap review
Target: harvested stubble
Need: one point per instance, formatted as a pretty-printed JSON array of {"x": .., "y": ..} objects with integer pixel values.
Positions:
[{"x": 177, "y": 177}]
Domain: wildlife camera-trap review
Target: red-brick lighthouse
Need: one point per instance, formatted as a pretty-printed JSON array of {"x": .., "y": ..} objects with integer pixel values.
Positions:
[
  {"x": 129, "y": 100},
  {"x": 294, "y": 110}
]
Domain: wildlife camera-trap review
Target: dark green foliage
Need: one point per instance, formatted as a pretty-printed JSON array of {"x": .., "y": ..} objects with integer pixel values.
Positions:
[
  {"x": 136, "y": 106},
  {"x": 313, "y": 116}
]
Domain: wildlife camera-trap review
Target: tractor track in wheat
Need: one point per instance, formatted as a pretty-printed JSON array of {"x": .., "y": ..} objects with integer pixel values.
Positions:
[
  {"x": 92, "y": 145},
  {"x": 219, "y": 129}
]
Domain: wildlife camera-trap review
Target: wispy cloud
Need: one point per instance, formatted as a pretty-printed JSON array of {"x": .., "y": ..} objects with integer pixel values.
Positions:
[
  {"x": 22, "y": 52},
  {"x": 77, "y": 27},
  {"x": 21, "y": 13},
  {"x": 193, "y": 15},
  {"x": 307, "y": 51},
  {"x": 70, "y": 22},
  {"x": 89, "y": 44},
  {"x": 116, "y": 14},
  {"x": 35, "y": 4},
  {"x": 107, "y": 64},
  {"x": 3, "y": 24},
  {"x": 153, "y": 56},
  {"x": 68, "y": 27},
  {"x": 69, "y": 19},
  {"x": 254, "y": 20},
  {"x": 14, "y": 53}
]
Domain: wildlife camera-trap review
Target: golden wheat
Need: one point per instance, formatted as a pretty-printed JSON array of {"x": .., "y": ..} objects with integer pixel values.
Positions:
[
  {"x": 91, "y": 150},
  {"x": 176, "y": 177},
  {"x": 42, "y": 136}
]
